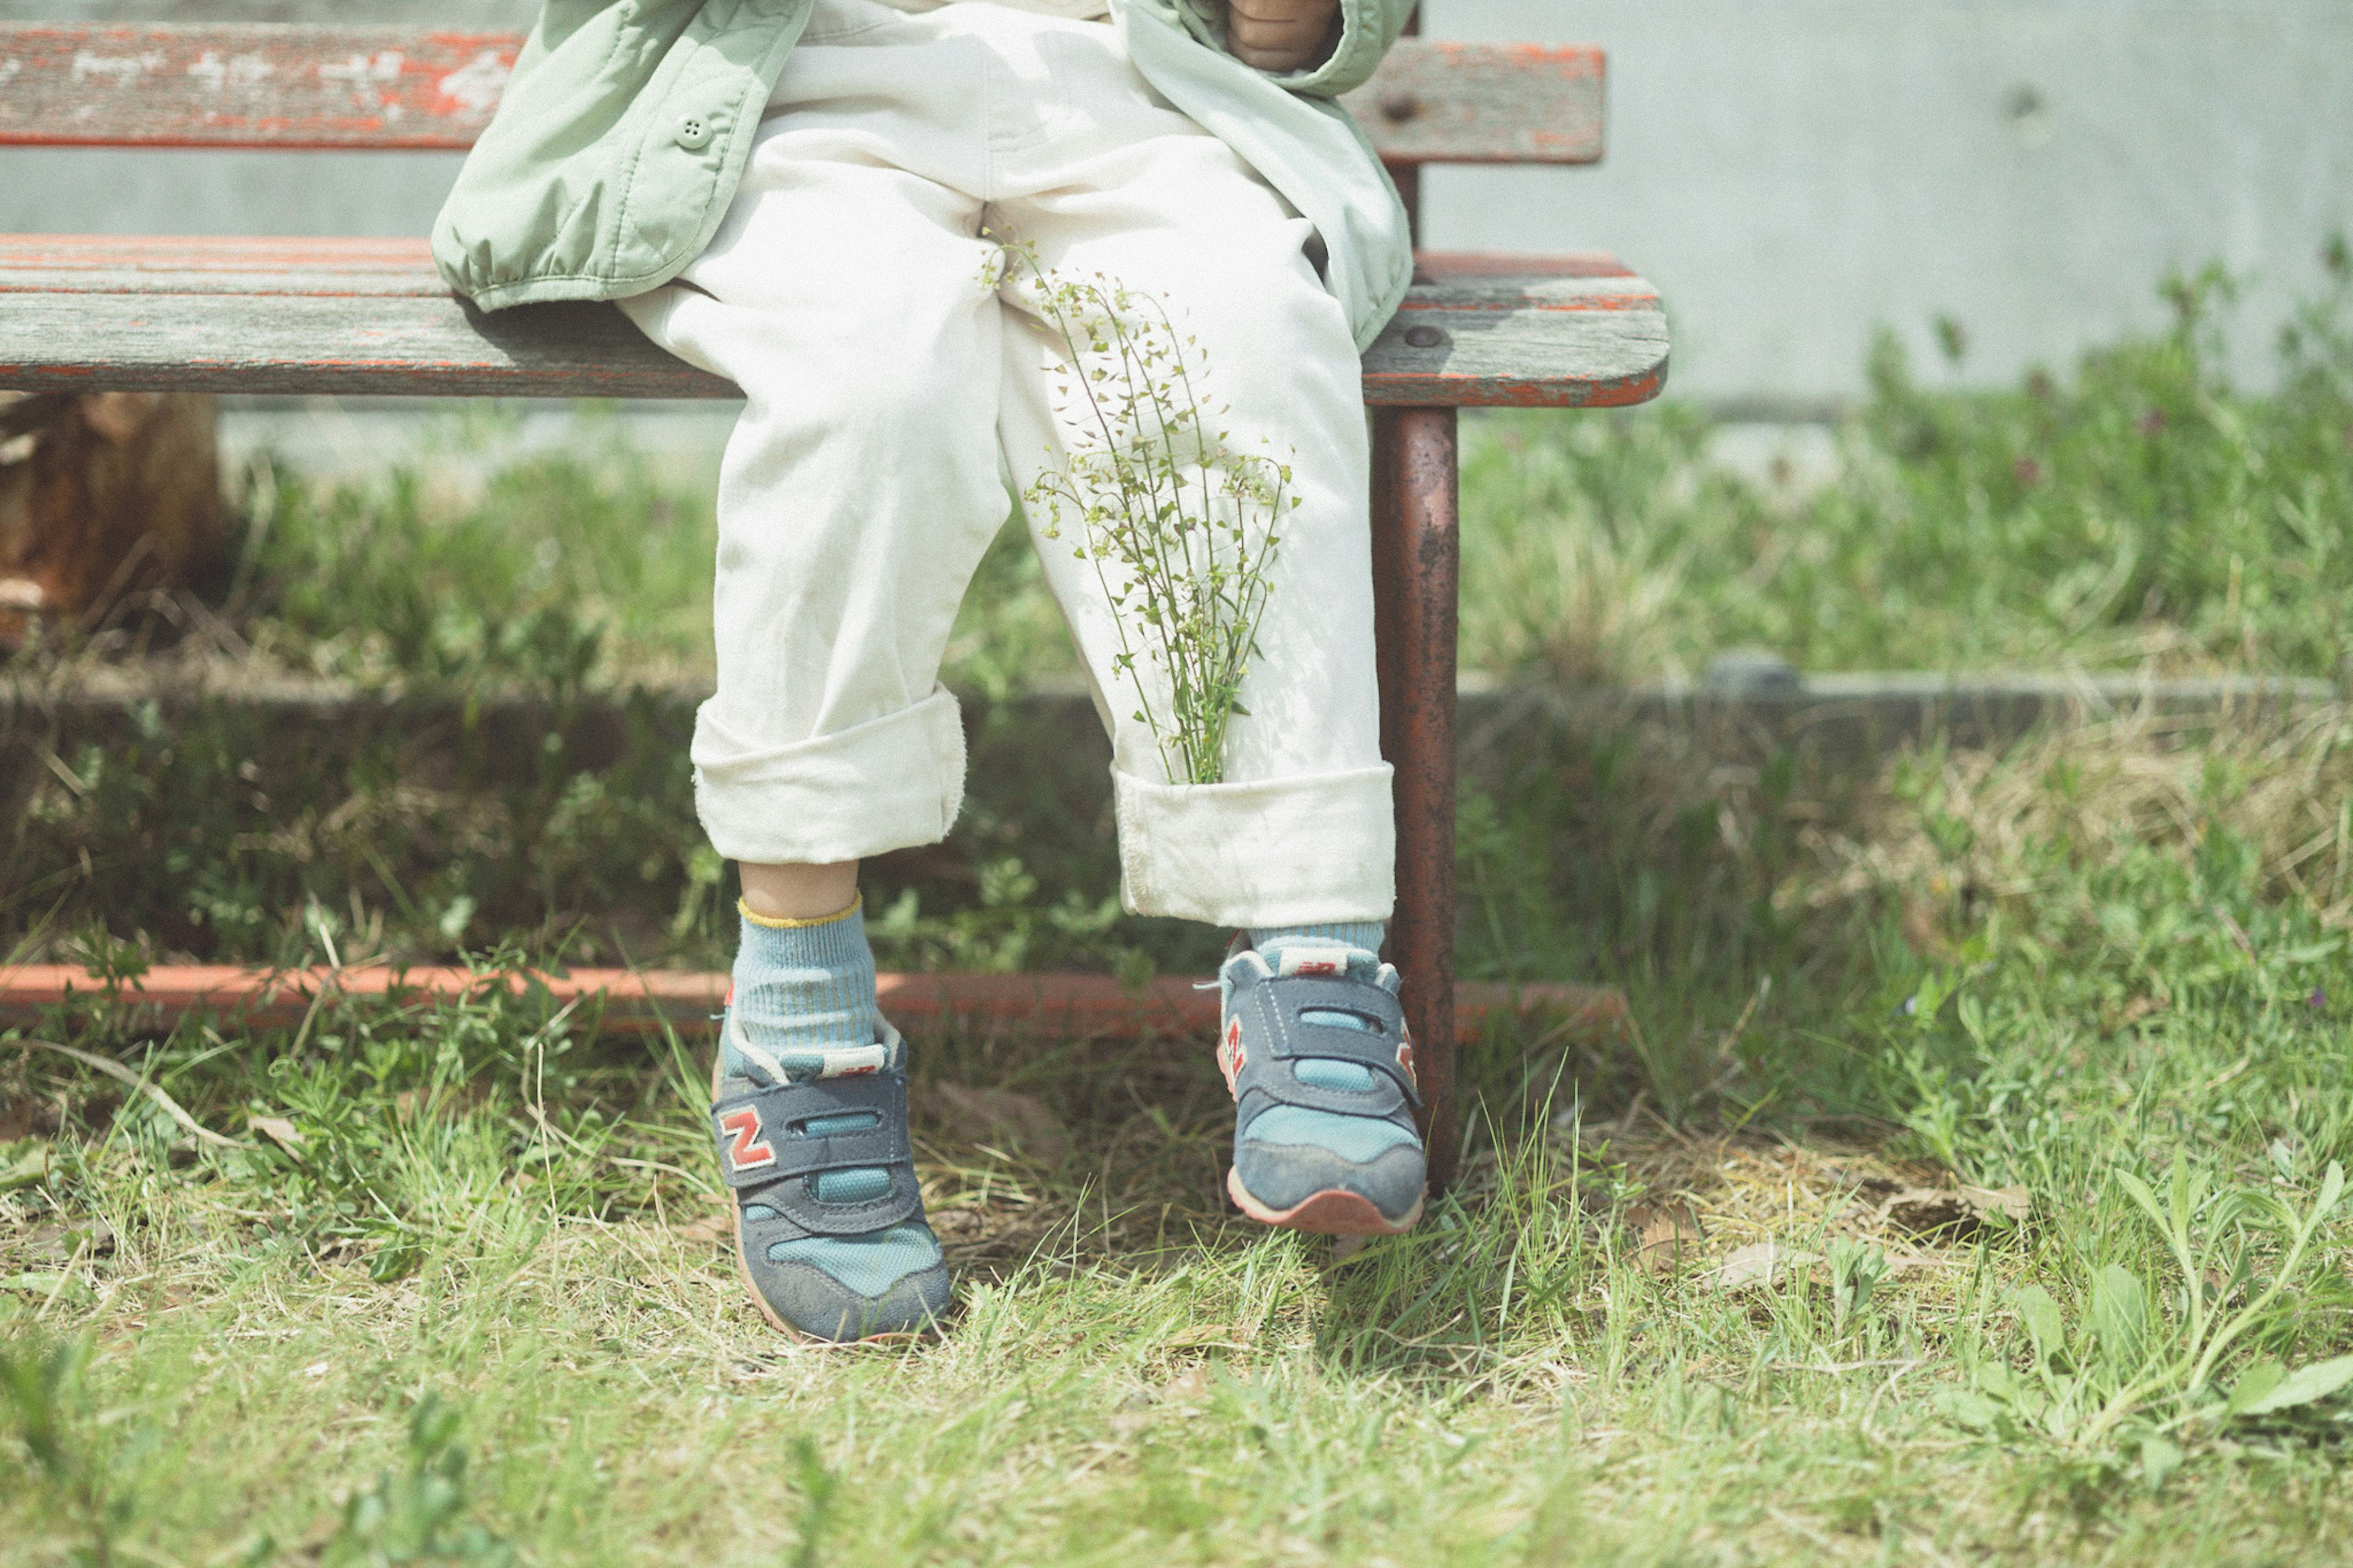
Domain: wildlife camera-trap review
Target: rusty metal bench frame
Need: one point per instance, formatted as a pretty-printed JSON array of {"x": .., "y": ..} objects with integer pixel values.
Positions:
[{"x": 358, "y": 316}]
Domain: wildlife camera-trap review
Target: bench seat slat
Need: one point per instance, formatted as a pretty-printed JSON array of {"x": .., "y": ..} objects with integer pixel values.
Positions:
[
  {"x": 350, "y": 317},
  {"x": 394, "y": 89},
  {"x": 207, "y": 264}
]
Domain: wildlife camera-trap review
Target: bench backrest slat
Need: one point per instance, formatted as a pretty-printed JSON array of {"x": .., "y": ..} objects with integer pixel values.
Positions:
[{"x": 292, "y": 87}]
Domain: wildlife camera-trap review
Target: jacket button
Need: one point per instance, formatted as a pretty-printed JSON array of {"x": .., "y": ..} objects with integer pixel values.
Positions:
[{"x": 693, "y": 133}]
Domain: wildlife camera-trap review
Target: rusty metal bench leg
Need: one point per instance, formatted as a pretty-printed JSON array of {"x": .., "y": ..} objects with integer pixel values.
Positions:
[{"x": 1416, "y": 568}]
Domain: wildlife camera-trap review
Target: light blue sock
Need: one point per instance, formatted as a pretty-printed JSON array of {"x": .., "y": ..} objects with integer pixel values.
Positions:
[
  {"x": 1364, "y": 936},
  {"x": 1358, "y": 1137},
  {"x": 806, "y": 984},
  {"x": 801, "y": 987}
]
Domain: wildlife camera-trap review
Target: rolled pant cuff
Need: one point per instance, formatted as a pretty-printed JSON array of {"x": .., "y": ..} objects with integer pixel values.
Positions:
[
  {"x": 1295, "y": 851},
  {"x": 889, "y": 783}
]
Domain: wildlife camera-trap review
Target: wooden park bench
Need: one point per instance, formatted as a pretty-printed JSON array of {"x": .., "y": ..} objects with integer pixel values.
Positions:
[{"x": 346, "y": 317}]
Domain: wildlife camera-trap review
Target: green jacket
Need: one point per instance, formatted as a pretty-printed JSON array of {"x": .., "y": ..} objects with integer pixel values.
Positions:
[{"x": 626, "y": 125}]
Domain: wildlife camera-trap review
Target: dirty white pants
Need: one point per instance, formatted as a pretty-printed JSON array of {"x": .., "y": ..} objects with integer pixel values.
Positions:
[{"x": 890, "y": 389}]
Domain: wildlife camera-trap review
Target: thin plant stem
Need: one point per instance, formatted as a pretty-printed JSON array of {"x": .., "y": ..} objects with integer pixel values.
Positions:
[{"x": 1179, "y": 529}]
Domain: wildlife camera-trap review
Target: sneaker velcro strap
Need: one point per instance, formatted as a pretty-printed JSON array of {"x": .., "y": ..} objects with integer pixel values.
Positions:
[
  {"x": 1277, "y": 1008},
  {"x": 799, "y": 1213},
  {"x": 764, "y": 1135}
]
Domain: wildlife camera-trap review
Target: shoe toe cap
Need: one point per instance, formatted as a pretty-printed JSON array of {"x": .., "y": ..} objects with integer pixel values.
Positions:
[
  {"x": 1284, "y": 1175},
  {"x": 824, "y": 1308}
]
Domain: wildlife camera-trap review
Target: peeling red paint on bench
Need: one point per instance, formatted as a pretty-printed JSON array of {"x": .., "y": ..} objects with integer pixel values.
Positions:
[
  {"x": 401, "y": 89},
  {"x": 258, "y": 86}
]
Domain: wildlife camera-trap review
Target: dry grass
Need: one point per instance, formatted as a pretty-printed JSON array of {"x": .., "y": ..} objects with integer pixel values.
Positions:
[{"x": 2284, "y": 788}]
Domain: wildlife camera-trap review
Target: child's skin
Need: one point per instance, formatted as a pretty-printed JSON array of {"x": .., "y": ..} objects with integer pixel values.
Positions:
[
  {"x": 1278, "y": 35},
  {"x": 1269, "y": 35}
]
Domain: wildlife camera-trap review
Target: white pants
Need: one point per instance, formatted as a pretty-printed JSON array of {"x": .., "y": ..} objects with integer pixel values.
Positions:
[{"x": 891, "y": 392}]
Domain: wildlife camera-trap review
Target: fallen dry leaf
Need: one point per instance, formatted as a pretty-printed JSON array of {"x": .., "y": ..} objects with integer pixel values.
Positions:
[
  {"x": 1003, "y": 1117},
  {"x": 1190, "y": 1386},
  {"x": 1181, "y": 1396},
  {"x": 1760, "y": 1263},
  {"x": 1668, "y": 1232},
  {"x": 2015, "y": 1204},
  {"x": 710, "y": 1229},
  {"x": 61, "y": 1244},
  {"x": 278, "y": 1131}
]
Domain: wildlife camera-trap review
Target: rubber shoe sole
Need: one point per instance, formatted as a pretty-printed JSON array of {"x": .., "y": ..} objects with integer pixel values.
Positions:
[{"x": 1334, "y": 1211}]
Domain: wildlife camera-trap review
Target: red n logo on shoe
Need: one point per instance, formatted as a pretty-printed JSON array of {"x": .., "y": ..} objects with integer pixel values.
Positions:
[
  {"x": 1404, "y": 1060},
  {"x": 1231, "y": 1056},
  {"x": 749, "y": 1151}
]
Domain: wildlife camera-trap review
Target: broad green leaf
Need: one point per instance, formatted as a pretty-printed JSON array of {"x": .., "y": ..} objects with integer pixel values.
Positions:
[
  {"x": 25, "y": 1164},
  {"x": 2043, "y": 1322},
  {"x": 2332, "y": 1187},
  {"x": 2303, "y": 1387},
  {"x": 1972, "y": 1015},
  {"x": 2159, "y": 1457},
  {"x": 2119, "y": 1319},
  {"x": 2253, "y": 1384},
  {"x": 1974, "y": 1411},
  {"x": 2138, "y": 1191},
  {"x": 65, "y": 1287}
]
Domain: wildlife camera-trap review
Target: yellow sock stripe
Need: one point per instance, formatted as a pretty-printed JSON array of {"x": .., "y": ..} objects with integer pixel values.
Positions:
[{"x": 790, "y": 922}]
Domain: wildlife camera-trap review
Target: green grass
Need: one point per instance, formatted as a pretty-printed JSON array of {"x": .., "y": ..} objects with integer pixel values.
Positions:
[
  {"x": 499, "y": 1212},
  {"x": 2141, "y": 510},
  {"x": 457, "y": 1295}
]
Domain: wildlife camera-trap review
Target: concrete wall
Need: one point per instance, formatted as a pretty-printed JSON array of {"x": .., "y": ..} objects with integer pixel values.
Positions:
[{"x": 1791, "y": 172}]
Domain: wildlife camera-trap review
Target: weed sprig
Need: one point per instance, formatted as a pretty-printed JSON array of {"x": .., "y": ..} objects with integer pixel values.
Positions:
[{"x": 1179, "y": 523}]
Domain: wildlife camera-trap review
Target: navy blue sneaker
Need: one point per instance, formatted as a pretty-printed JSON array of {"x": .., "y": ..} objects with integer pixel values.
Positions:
[
  {"x": 828, "y": 1220},
  {"x": 1315, "y": 1051}
]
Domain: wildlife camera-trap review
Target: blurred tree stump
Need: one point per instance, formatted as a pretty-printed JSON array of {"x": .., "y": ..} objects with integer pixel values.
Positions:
[{"x": 103, "y": 495}]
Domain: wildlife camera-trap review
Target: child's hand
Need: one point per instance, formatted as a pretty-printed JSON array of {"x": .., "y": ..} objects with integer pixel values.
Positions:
[{"x": 1278, "y": 35}]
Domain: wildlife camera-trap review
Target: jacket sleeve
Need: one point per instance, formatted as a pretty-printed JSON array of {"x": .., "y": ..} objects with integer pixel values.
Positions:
[
  {"x": 615, "y": 150},
  {"x": 1367, "y": 28}
]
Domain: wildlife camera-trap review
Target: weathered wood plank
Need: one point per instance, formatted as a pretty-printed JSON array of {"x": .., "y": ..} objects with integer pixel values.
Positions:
[
  {"x": 1438, "y": 103},
  {"x": 392, "y": 88},
  {"x": 334, "y": 344},
  {"x": 256, "y": 86},
  {"x": 207, "y": 264},
  {"x": 351, "y": 317},
  {"x": 267, "y": 264},
  {"x": 1528, "y": 343}
]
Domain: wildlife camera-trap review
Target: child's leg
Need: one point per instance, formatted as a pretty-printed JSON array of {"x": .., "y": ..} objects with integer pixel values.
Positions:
[
  {"x": 1302, "y": 830},
  {"x": 861, "y": 485},
  {"x": 856, "y": 497},
  {"x": 1298, "y": 845}
]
